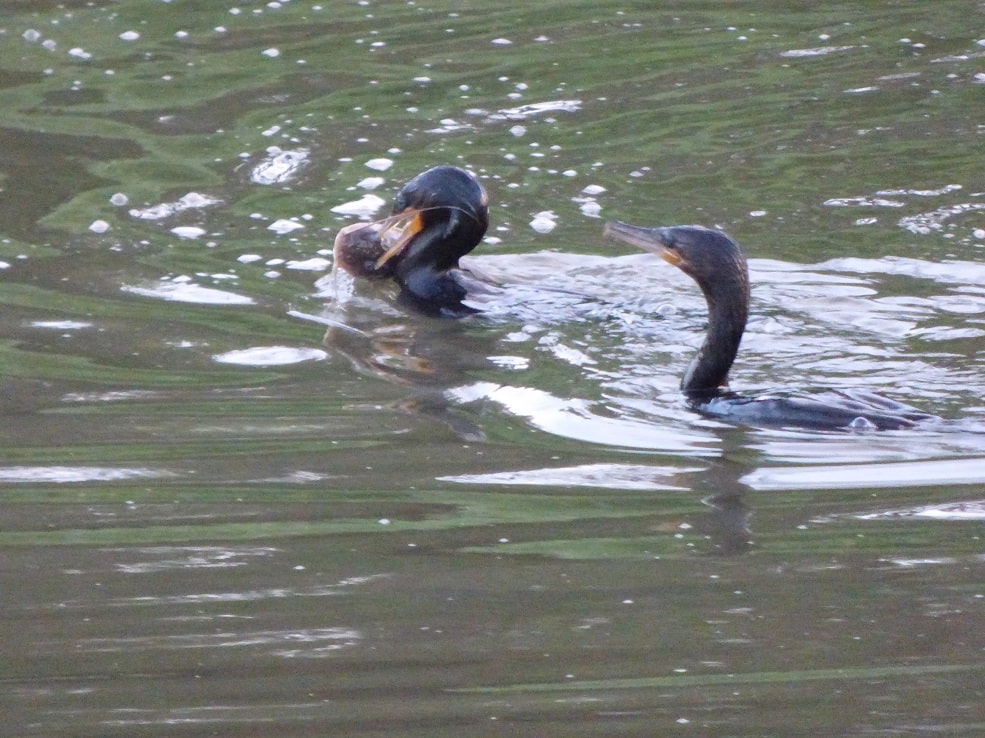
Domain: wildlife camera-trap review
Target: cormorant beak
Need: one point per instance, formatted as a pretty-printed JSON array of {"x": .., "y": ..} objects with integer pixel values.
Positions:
[
  {"x": 655, "y": 240},
  {"x": 409, "y": 224}
]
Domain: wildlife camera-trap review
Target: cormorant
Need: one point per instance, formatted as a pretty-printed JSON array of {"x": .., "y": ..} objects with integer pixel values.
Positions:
[
  {"x": 438, "y": 217},
  {"x": 716, "y": 263}
]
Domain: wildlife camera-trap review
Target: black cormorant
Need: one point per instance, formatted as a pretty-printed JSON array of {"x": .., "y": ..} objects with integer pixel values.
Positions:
[
  {"x": 438, "y": 217},
  {"x": 716, "y": 263}
]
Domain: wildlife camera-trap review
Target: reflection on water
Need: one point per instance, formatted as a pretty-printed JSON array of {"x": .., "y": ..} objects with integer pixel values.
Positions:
[
  {"x": 611, "y": 476},
  {"x": 868, "y": 476},
  {"x": 183, "y": 290},
  {"x": 304, "y": 643},
  {"x": 270, "y": 356},
  {"x": 243, "y": 494},
  {"x": 573, "y": 418},
  {"x": 63, "y": 474},
  {"x": 966, "y": 510}
]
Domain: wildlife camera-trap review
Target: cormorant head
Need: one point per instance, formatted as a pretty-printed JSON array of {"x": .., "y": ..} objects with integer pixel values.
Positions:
[
  {"x": 446, "y": 212},
  {"x": 709, "y": 257}
]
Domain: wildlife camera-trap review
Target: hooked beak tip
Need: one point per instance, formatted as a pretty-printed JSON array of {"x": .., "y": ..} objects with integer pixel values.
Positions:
[
  {"x": 411, "y": 217},
  {"x": 648, "y": 239}
]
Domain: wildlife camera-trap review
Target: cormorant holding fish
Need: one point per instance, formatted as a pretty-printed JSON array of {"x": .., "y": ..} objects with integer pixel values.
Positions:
[
  {"x": 715, "y": 262},
  {"x": 438, "y": 217}
]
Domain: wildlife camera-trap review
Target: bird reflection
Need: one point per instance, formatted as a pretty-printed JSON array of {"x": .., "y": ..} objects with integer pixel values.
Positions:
[
  {"x": 728, "y": 525},
  {"x": 426, "y": 356}
]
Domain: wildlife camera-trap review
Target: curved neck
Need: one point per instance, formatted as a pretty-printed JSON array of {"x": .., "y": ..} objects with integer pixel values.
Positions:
[
  {"x": 428, "y": 250},
  {"x": 728, "y": 309},
  {"x": 447, "y": 236},
  {"x": 426, "y": 274}
]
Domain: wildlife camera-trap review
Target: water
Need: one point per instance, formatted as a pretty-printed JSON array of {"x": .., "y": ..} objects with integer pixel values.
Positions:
[{"x": 243, "y": 495}]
